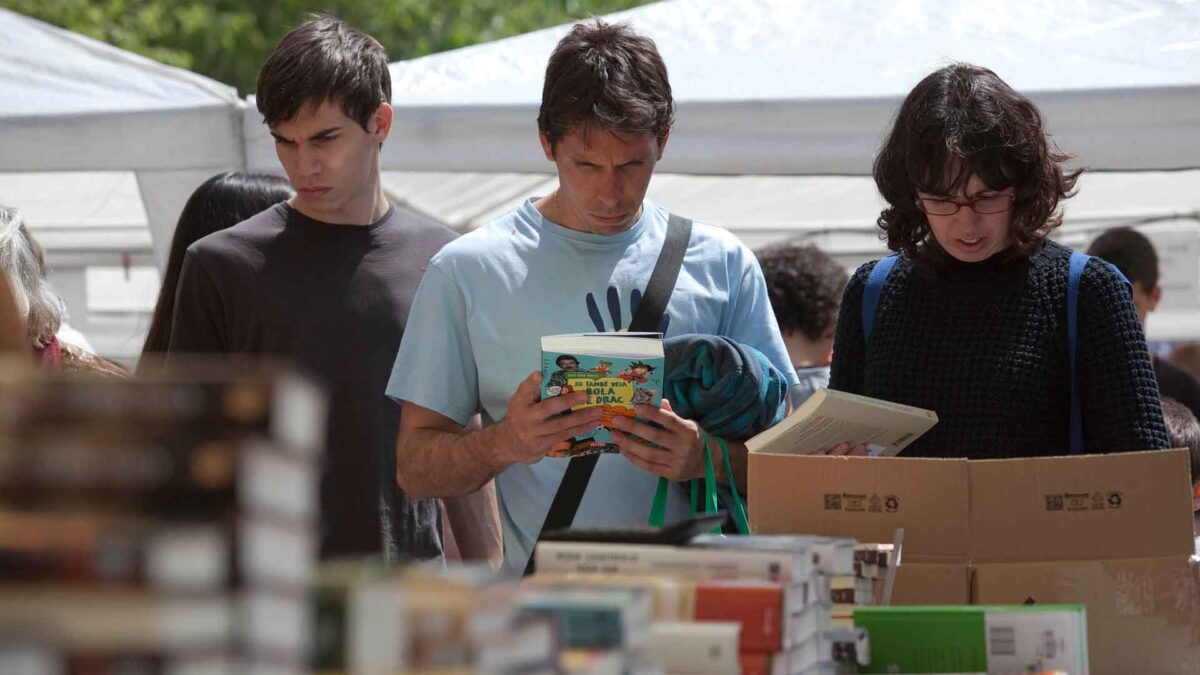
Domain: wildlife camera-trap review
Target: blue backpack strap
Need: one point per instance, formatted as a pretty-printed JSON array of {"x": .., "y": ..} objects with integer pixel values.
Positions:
[
  {"x": 874, "y": 287},
  {"x": 1078, "y": 262}
]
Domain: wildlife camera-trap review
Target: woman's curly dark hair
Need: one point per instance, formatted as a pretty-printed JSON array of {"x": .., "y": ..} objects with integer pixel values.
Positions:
[
  {"x": 959, "y": 121},
  {"x": 805, "y": 287}
]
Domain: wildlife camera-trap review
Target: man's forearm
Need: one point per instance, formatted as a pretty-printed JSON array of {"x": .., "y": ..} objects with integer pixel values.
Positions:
[
  {"x": 474, "y": 520},
  {"x": 436, "y": 463}
]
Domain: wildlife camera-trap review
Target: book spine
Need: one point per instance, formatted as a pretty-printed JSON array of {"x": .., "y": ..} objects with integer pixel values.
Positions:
[
  {"x": 48, "y": 405},
  {"x": 181, "y": 479},
  {"x": 584, "y": 627},
  {"x": 695, "y": 647},
  {"x": 680, "y": 561},
  {"x": 50, "y": 660},
  {"x": 283, "y": 407},
  {"x": 758, "y": 610},
  {"x": 179, "y": 558}
]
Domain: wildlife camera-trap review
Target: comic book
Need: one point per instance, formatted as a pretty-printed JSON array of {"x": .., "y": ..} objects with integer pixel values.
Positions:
[{"x": 618, "y": 371}]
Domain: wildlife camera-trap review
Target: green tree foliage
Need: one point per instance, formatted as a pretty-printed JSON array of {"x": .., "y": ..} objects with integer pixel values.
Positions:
[{"x": 228, "y": 40}]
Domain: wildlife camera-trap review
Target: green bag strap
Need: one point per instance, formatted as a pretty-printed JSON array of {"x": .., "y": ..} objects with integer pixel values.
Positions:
[
  {"x": 739, "y": 511},
  {"x": 658, "y": 512},
  {"x": 710, "y": 481}
]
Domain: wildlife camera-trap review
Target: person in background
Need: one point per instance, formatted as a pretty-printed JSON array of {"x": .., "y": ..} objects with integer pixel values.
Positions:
[
  {"x": 326, "y": 279},
  {"x": 1187, "y": 356},
  {"x": 65, "y": 334},
  {"x": 1184, "y": 431},
  {"x": 221, "y": 201},
  {"x": 38, "y": 305},
  {"x": 971, "y": 322},
  {"x": 12, "y": 326},
  {"x": 805, "y": 286},
  {"x": 1132, "y": 253}
]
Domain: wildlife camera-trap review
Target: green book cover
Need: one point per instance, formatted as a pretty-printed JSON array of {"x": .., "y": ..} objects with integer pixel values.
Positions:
[
  {"x": 617, "y": 370},
  {"x": 975, "y": 638}
]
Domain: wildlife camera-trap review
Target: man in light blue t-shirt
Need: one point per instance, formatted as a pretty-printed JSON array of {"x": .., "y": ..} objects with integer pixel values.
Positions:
[{"x": 576, "y": 260}]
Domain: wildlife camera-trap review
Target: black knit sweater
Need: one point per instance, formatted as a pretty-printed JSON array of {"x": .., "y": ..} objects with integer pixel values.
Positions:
[{"x": 985, "y": 346}]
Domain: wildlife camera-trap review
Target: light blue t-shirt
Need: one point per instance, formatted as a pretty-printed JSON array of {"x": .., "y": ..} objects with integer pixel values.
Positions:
[{"x": 488, "y": 297}]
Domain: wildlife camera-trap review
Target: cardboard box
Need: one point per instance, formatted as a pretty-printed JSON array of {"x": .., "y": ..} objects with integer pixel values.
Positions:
[
  {"x": 1019, "y": 524},
  {"x": 1143, "y": 613},
  {"x": 1129, "y": 505},
  {"x": 866, "y": 498}
]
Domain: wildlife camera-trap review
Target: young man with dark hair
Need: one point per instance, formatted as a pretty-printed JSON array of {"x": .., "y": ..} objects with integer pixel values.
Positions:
[
  {"x": 327, "y": 279},
  {"x": 1132, "y": 253},
  {"x": 548, "y": 267},
  {"x": 805, "y": 286}
]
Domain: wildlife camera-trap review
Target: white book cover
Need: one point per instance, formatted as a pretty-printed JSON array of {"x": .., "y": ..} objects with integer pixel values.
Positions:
[
  {"x": 689, "y": 647},
  {"x": 830, "y": 417},
  {"x": 683, "y": 561}
]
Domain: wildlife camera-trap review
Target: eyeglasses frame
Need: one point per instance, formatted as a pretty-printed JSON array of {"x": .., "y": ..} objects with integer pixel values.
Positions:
[{"x": 1009, "y": 198}]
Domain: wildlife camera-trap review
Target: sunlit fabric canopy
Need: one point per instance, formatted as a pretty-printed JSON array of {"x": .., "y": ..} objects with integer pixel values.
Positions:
[
  {"x": 808, "y": 86},
  {"x": 71, "y": 103}
]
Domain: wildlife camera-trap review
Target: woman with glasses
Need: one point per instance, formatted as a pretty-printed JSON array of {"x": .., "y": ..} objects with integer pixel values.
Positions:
[{"x": 971, "y": 321}]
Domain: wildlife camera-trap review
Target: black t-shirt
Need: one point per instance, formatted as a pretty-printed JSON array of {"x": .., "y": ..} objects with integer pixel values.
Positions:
[
  {"x": 1178, "y": 384},
  {"x": 333, "y": 298}
]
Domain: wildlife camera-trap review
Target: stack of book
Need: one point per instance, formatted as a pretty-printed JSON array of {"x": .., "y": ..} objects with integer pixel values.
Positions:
[
  {"x": 468, "y": 617},
  {"x": 724, "y": 604},
  {"x": 872, "y": 564},
  {"x": 427, "y": 620},
  {"x": 163, "y": 525},
  {"x": 601, "y": 629}
]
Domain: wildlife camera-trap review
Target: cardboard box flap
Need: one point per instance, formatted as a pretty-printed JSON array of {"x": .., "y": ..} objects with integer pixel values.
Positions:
[
  {"x": 866, "y": 498},
  {"x": 930, "y": 584},
  {"x": 1143, "y": 614},
  {"x": 1127, "y": 505}
]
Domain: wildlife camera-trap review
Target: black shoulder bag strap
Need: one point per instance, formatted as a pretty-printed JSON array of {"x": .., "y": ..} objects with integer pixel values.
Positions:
[{"x": 649, "y": 313}]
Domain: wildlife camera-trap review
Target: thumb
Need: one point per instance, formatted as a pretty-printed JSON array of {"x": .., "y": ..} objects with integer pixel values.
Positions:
[{"x": 666, "y": 405}]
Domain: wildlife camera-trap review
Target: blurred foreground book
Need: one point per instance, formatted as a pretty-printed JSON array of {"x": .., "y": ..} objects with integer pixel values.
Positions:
[{"x": 164, "y": 524}]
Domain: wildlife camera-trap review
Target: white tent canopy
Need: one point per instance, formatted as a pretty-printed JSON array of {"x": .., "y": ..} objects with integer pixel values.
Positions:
[
  {"x": 808, "y": 87},
  {"x": 75, "y": 104}
]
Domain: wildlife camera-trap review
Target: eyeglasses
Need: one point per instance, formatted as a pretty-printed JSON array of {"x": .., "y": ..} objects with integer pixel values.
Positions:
[{"x": 948, "y": 207}]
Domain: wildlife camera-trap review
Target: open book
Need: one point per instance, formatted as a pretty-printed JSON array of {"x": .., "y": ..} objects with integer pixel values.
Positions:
[
  {"x": 617, "y": 370},
  {"x": 830, "y": 417}
]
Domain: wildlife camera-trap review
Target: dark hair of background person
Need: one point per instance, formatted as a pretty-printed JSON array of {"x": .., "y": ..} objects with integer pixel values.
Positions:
[
  {"x": 324, "y": 59},
  {"x": 222, "y": 201},
  {"x": 805, "y": 287},
  {"x": 959, "y": 121},
  {"x": 1183, "y": 430},
  {"x": 1187, "y": 356},
  {"x": 1131, "y": 252},
  {"x": 609, "y": 75}
]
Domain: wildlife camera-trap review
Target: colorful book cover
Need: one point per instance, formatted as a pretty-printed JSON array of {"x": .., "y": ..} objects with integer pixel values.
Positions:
[{"x": 617, "y": 370}]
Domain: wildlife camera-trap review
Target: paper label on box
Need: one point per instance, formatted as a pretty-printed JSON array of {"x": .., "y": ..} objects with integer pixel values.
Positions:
[
  {"x": 1084, "y": 501},
  {"x": 1035, "y": 641},
  {"x": 862, "y": 503}
]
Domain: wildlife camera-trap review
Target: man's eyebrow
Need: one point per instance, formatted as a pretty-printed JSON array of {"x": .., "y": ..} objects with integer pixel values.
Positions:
[
  {"x": 319, "y": 134},
  {"x": 325, "y": 132}
]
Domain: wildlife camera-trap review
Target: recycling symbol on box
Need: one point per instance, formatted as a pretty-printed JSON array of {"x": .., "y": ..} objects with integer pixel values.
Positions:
[
  {"x": 1114, "y": 500},
  {"x": 891, "y": 503}
]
